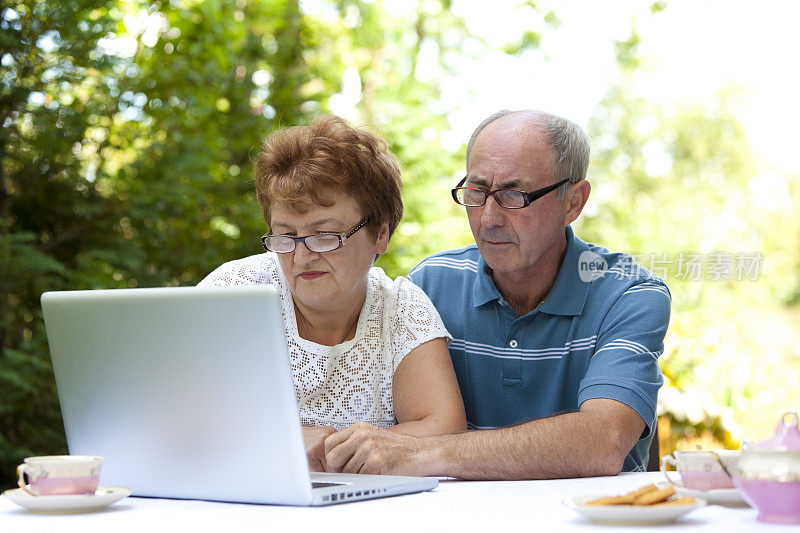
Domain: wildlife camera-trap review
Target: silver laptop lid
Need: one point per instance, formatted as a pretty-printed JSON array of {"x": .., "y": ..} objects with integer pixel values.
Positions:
[{"x": 187, "y": 392}]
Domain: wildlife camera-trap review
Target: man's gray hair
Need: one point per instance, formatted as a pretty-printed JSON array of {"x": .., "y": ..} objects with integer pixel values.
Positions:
[{"x": 568, "y": 143}]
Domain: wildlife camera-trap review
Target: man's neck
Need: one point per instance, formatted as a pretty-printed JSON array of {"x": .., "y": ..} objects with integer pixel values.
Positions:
[{"x": 525, "y": 291}]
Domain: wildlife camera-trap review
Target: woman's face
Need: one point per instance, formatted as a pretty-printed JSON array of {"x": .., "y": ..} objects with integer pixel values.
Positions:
[{"x": 328, "y": 281}]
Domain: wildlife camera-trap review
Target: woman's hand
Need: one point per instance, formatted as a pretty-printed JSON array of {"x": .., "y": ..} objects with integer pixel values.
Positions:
[{"x": 315, "y": 446}]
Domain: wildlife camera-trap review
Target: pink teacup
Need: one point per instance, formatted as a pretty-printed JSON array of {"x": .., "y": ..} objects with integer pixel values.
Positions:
[
  {"x": 60, "y": 474},
  {"x": 701, "y": 470}
]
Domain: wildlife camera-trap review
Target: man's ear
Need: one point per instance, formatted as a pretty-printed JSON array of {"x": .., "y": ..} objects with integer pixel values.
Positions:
[{"x": 576, "y": 199}]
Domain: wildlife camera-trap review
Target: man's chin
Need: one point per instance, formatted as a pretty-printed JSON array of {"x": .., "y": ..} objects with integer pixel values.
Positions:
[{"x": 497, "y": 256}]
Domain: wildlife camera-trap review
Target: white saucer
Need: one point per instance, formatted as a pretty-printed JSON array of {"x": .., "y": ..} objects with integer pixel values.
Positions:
[
  {"x": 631, "y": 514},
  {"x": 714, "y": 496},
  {"x": 72, "y": 503}
]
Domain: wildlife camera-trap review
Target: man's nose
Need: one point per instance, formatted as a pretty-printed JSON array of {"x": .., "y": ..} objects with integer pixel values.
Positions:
[{"x": 493, "y": 213}]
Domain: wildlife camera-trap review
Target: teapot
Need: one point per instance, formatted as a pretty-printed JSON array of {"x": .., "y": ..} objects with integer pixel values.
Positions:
[{"x": 768, "y": 473}]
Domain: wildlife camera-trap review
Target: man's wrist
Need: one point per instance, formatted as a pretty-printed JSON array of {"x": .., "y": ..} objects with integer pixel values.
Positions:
[{"x": 437, "y": 457}]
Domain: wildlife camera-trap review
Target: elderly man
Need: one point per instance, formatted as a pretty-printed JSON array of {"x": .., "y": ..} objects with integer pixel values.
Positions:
[{"x": 555, "y": 341}]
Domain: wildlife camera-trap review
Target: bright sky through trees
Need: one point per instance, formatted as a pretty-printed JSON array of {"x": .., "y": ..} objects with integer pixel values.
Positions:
[{"x": 692, "y": 50}]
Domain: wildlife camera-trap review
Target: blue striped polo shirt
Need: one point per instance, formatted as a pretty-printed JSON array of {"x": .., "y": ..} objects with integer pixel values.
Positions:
[{"x": 598, "y": 334}]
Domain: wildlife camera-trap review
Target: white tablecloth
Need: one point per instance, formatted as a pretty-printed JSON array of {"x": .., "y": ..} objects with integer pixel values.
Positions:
[{"x": 491, "y": 507}]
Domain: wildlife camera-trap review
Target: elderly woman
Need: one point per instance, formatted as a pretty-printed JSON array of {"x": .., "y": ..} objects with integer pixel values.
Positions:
[{"x": 362, "y": 347}]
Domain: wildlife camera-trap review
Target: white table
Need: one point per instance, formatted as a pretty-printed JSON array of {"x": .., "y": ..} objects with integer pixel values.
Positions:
[{"x": 491, "y": 507}]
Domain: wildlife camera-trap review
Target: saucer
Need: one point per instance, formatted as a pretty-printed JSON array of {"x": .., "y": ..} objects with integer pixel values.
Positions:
[
  {"x": 713, "y": 496},
  {"x": 70, "y": 503},
  {"x": 631, "y": 514}
]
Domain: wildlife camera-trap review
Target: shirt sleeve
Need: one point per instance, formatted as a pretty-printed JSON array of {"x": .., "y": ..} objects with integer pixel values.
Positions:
[
  {"x": 254, "y": 270},
  {"x": 417, "y": 276},
  {"x": 624, "y": 366},
  {"x": 416, "y": 321},
  {"x": 222, "y": 276}
]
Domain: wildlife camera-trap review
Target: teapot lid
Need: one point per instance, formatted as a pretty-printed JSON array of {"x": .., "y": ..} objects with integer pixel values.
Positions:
[{"x": 786, "y": 436}]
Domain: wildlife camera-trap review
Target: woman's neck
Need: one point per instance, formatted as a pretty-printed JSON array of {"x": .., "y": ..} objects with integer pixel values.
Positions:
[{"x": 328, "y": 328}]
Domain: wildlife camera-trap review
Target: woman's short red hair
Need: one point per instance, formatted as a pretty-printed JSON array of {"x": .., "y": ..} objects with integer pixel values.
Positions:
[{"x": 329, "y": 157}]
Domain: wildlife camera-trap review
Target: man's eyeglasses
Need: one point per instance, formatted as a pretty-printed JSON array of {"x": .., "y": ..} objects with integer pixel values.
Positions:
[
  {"x": 508, "y": 198},
  {"x": 318, "y": 242}
]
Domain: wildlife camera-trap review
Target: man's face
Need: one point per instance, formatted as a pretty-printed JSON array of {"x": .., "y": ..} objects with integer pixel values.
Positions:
[{"x": 508, "y": 154}]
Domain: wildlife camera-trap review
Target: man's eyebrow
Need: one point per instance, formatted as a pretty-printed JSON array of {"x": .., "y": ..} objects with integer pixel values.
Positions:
[
  {"x": 513, "y": 183},
  {"x": 475, "y": 180}
]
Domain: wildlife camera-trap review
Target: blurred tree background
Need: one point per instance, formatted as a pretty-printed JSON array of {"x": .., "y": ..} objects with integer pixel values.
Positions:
[{"x": 129, "y": 127}]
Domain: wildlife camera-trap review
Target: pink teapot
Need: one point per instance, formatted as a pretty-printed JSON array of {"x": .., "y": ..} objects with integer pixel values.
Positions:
[{"x": 768, "y": 473}]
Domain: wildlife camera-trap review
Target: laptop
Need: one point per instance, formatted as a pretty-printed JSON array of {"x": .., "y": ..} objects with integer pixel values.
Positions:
[{"x": 188, "y": 393}]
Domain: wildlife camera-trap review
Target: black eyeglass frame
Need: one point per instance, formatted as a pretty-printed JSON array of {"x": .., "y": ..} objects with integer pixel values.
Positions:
[
  {"x": 529, "y": 197},
  {"x": 342, "y": 239}
]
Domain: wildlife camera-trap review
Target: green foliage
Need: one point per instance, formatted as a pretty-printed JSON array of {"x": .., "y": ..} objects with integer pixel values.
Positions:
[
  {"x": 657, "y": 7},
  {"x": 50, "y": 214},
  {"x": 529, "y": 39}
]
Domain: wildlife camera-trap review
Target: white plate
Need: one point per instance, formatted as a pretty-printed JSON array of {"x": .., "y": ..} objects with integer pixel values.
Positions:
[
  {"x": 630, "y": 514},
  {"x": 72, "y": 503}
]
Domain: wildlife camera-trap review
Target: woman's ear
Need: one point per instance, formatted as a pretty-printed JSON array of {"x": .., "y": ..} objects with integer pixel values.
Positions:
[{"x": 382, "y": 243}]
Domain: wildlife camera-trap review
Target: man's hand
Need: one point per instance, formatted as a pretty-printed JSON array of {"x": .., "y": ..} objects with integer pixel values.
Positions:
[
  {"x": 315, "y": 446},
  {"x": 365, "y": 449},
  {"x": 590, "y": 442}
]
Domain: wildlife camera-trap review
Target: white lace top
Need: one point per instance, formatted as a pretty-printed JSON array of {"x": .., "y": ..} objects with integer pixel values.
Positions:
[{"x": 340, "y": 385}]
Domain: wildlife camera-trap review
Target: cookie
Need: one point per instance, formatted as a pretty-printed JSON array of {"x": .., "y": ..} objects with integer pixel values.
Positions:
[
  {"x": 611, "y": 500},
  {"x": 686, "y": 500},
  {"x": 654, "y": 496}
]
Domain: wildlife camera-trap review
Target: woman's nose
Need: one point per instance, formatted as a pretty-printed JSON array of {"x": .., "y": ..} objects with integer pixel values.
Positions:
[{"x": 302, "y": 255}]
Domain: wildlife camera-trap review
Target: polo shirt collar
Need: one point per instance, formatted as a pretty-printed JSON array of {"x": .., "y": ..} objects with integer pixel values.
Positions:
[
  {"x": 483, "y": 290},
  {"x": 568, "y": 294}
]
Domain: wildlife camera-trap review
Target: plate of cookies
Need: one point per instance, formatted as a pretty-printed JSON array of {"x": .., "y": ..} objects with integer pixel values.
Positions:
[{"x": 647, "y": 505}]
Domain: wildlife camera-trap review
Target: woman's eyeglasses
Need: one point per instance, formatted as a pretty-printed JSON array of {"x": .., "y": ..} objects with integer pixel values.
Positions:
[{"x": 317, "y": 242}]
